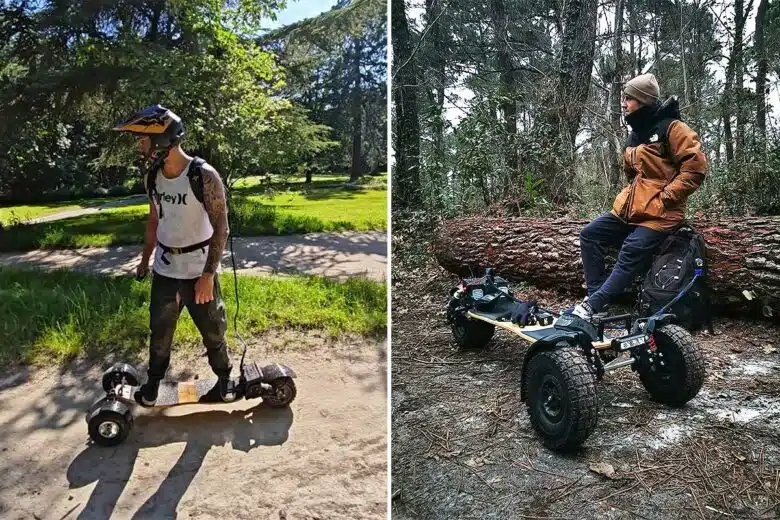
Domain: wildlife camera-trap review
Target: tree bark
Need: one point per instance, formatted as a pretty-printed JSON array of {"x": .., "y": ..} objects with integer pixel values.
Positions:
[
  {"x": 762, "y": 67},
  {"x": 357, "y": 112},
  {"x": 734, "y": 76},
  {"x": 406, "y": 174},
  {"x": 433, "y": 10},
  {"x": 506, "y": 89},
  {"x": 615, "y": 159},
  {"x": 563, "y": 106},
  {"x": 743, "y": 253},
  {"x": 739, "y": 82},
  {"x": 578, "y": 46}
]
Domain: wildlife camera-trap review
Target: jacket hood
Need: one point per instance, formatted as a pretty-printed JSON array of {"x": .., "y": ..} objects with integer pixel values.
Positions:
[{"x": 669, "y": 109}]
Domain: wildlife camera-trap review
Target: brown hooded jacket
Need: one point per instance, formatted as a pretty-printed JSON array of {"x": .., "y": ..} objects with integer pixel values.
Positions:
[{"x": 661, "y": 178}]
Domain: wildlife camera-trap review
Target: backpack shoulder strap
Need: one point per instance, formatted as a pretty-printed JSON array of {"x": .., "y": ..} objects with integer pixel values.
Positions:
[
  {"x": 195, "y": 174},
  {"x": 151, "y": 185},
  {"x": 663, "y": 134}
]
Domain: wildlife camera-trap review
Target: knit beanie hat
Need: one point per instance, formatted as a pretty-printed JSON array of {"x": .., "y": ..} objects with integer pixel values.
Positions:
[{"x": 643, "y": 88}]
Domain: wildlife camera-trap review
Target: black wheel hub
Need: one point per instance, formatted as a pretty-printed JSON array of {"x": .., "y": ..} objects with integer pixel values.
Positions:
[
  {"x": 664, "y": 374},
  {"x": 550, "y": 399},
  {"x": 282, "y": 392},
  {"x": 109, "y": 429}
]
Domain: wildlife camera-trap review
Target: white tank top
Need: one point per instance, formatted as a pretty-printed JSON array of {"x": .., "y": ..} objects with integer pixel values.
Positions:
[{"x": 184, "y": 222}]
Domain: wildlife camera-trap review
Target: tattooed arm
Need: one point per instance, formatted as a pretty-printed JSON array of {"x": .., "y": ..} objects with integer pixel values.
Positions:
[{"x": 216, "y": 206}]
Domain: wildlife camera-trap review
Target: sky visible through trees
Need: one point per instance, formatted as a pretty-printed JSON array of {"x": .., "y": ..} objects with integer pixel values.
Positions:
[{"x": 514, "y": 105}]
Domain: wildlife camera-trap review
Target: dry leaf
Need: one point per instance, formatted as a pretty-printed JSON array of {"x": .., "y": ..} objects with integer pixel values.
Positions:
[
  {"x": 737, "y": 349},
  {"x": 769, "y": 349},
  {"x": 603, "y": 468}
]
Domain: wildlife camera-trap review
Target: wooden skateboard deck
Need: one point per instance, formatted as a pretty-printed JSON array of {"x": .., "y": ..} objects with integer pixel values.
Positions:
[
  {"x": 184, "y": 392},
  {"x": 530, "y": 333}
]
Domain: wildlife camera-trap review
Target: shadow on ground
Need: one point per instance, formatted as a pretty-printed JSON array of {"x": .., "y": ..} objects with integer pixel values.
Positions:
[{"x": 112, "y": 468}]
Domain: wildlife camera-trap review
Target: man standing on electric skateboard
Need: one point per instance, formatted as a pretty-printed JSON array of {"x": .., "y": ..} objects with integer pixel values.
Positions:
[{"x": 187, "y": 229}]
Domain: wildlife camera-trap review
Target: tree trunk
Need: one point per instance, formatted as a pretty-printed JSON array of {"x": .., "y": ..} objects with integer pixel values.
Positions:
[
  {"x": 739, "y": 74},
  {"x": 578, "y": 46},
  {"x": 154, "y": 22},
  {"x": 734, "y": 78},
  {"x": 506, "y": 89},
  {"x": 742, "y": 252},
  {"x": 682, "y": 55},
  {"x": 406, "y": 174},
  {"x": 762, "y": 67},
  {"x": 615, "y": 159},
  {"x": 357, "y": 112},
  {"x": 726, "y": 115},
  {"x": 562, "y": 106},
  {"x": 437, "y": 170}
]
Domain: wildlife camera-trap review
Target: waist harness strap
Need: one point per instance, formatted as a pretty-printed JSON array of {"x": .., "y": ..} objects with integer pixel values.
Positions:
[{"x": 181, "y": 250}]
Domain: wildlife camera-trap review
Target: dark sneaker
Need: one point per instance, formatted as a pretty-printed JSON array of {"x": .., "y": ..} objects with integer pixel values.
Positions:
[
  {"x": 223, "y": 391},
  {"x": 581, "y": 310},
  {"x": 147, "y": 394},
  {"x": 227, "y": 390}
]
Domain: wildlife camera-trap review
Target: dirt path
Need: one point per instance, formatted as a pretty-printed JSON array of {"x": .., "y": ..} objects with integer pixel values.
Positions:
[
  {"x": 129, "y": 201},
  {"x": 463, "y": 446},
  {"x": 335, "y": 255},
  {"x": 325, "y": 457}
]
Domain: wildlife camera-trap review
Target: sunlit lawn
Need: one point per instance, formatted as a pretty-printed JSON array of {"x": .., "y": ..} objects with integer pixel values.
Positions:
[{"x": 296, "y": 209}]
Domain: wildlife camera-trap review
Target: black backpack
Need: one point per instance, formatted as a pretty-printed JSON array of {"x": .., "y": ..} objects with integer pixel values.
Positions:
[
  {"x": 674, "y": 266},
  {"x": 195, "y": 175}
]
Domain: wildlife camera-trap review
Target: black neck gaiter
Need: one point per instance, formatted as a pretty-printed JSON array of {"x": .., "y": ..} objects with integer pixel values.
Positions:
[{"x": 643, "y": 119}]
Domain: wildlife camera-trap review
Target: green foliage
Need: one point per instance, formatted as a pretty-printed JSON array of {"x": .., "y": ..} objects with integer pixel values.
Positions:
[
  {"x": 55, "y": 316},
  {"x": 319, "y": 56},
  {"x": 103, "y": 61}
]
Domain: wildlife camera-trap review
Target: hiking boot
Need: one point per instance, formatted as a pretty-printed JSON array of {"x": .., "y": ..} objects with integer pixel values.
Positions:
[{"x": 147, "y": 394}]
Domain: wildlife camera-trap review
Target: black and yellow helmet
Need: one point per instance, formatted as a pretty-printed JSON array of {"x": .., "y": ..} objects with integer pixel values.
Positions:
[{"x": 164, "y": 128}]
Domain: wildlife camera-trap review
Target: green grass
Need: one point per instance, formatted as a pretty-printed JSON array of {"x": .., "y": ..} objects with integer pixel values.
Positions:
[
  {"x": 25, "y": 212},
  {"x": 113, "y": 226},
  {"x": 283, "y": 213},
  {"x": 281, "y": 182},
  {"x": 55, "y": 316},
  {"x": 321, "y": 209}
]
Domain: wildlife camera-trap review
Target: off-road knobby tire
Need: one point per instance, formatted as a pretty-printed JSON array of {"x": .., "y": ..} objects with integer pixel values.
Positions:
[
  {"x": 577, "y": 385},
  {"x": 472, "y": 333},
  {"x": 686, "y": 365}
]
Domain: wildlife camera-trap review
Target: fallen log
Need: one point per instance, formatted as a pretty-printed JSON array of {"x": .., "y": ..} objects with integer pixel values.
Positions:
[{"x": 743, "y": 253}]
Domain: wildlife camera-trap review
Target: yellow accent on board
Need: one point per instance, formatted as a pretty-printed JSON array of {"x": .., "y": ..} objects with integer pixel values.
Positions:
[{"x": 188, "y": 393}]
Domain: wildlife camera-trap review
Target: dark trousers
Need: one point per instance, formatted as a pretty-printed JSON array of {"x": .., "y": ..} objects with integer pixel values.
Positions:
[
  {"x": 636, "y": 243},
  {"x": 164, "y": 310}
]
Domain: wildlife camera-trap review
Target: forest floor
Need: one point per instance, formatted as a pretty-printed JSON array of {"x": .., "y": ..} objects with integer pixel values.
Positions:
[
  {"x": 324, "y": 457},
  {"x": 463, "y": 446}
]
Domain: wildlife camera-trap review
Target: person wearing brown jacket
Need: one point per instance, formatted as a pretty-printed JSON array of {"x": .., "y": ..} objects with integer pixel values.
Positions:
[{"x": 664, "y": 164}]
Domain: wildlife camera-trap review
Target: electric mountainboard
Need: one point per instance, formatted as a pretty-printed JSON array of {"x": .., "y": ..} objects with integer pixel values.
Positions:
[{"x": 568, "y": 355}]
